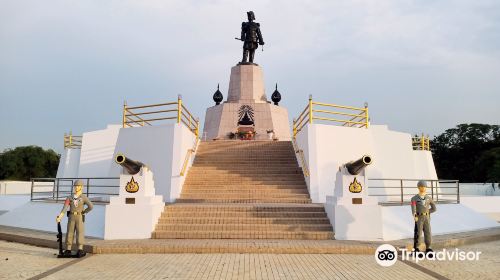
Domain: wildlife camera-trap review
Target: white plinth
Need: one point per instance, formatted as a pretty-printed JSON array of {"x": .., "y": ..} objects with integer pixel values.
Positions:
[
  {"x": 350, "y": 220},
  {"x": 133, "y": 215}
]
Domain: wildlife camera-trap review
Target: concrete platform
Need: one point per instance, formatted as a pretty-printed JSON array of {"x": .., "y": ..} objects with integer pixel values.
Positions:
[{"x": 163, "y": 246}]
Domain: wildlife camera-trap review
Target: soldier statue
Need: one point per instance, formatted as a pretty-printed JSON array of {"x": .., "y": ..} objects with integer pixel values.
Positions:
[
  {"x": 422, "y": 206},
  {"x": 76, "y": 218},
  {"x": 251, "y": 37}
]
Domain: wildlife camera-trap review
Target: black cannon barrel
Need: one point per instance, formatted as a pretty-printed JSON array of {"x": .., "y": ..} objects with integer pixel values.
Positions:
[
  {"x": 132, "y": 166},
  {"x": 355, "y": 167}
]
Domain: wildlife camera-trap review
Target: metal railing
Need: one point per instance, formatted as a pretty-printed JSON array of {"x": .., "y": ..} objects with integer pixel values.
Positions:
[
  {"x": 189, "y": 153},
  {"x": 300, "y": 152},
  {"x": 137, "y": 116},
  {"x": 422, "y": 143},
  {"x": 342, "y": 115},
  {"x": 97, "y": 189},
  {"x": 72, "y": 141},
  {"x": 400, "y": 191}
]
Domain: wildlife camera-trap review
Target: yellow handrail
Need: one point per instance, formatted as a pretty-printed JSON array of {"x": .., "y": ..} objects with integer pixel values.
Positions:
[
  {"x": 421, "y": 143},
  {"x": 305, "y": 169},
  {"x": 135, "y": 116},
  {"x": 358, "y": 116},
  {"x": 72, "y": 141},
  {"x": 188, "y": 156}
]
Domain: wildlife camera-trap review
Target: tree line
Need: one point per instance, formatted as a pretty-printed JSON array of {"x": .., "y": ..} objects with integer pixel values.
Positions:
[{"x": 468, "y": 152}]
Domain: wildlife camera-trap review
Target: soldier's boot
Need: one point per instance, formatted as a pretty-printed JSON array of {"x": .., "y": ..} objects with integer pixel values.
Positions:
[
  {"x": 80, "y": 253},
  {"x": 67, "y": 253}
]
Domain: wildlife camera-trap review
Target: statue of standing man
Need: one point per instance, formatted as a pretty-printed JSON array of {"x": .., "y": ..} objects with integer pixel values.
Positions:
[{"x": 251, "y": 37}]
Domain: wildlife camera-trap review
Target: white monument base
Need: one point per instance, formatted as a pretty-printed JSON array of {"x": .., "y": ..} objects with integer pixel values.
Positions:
[
  {"x": 135, "y": 212},
  {"x": 355, "y": 222},
  {"x": 353, "y": 214}
]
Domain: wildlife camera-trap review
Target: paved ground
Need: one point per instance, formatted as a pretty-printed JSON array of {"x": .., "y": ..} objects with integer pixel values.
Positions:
[
  {"x": 250, "y": 246},
  {"x": 19, "y": 261},
  {"x": 488, "y": 266}
]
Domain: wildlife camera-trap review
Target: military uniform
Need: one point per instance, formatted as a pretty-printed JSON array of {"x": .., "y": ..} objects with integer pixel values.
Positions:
[
  {"x": 422, "y": 207},
  {"x": 75, "y": 219},
  {"x": 251, "y": 36}
]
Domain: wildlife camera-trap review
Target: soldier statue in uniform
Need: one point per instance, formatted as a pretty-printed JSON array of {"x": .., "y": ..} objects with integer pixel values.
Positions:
[
  {"x": 76, "y": 218},
  {"x": 422, "y": 206},
  {"x": 251, "y": 36}
]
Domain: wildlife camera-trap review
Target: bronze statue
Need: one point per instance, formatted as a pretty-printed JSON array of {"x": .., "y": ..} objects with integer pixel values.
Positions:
[{"x": 251, "y": 37}]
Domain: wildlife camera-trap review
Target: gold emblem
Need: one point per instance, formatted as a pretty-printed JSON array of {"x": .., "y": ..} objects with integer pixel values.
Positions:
[
  {"x": 355, "y": 186},
  {"x": 132, "y": 186}
]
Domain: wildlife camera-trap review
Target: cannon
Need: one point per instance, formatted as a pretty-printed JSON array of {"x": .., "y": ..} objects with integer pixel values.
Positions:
[
  {"x": 355, "y": 167},
  {"x": 132, "y": 166}
]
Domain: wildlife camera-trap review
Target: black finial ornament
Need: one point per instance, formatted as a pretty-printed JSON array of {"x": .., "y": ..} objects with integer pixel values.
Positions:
[
  {"x": 276, "y": 97},
  {"x": 218, "y": 96}
]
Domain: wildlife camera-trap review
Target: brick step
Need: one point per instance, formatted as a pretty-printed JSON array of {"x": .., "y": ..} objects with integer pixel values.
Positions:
[
  {"x": 236, "y": 143},
  {"x": 268, "y": 184},
  {"x": 237, "y": 190},
  {"x": 243, "y": 227},
  {"x": 247, "y": 153},
  {"x": 245, "y": 160},
  {"x": 242, "y": 220},
  {"x": 241, "y": 171},
  {"x": 314, "y": 235},
  {"x": 242, "y": 195},
  {"x": 240, "y": 143},
  {"x": 249, "y": 165},
  {"x": 261, "y": 177},
  {"x": 243, "y": 168},
  {"x": 245, "y": 186},
  {"x": 244, "y": 173},
  {"x": 242, "y": 200},
  {"x": 262, "y": 207},
  {"x": 216, "y": 172},
  {"x": 249, "y": 180},
  {"x": 244, "y": 151},
  {"x": 240, "y": 215},
  {"x": 270, "y": 149}
]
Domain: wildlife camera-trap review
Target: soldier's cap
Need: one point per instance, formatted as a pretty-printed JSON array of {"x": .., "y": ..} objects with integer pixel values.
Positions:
[
  {"x": 422, "y": 183},
  {"x": 78, "y": 183}
]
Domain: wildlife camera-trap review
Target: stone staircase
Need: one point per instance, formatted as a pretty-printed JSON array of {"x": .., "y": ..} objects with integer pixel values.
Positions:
[{"x": 244, "y": 190}]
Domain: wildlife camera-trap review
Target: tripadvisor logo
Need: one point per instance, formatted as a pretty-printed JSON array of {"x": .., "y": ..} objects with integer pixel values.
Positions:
[{"x": 387, "y": 255}]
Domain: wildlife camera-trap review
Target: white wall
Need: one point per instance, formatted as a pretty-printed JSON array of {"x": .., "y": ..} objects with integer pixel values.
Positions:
[
  {"x": 481, "y": 189},
  {"x": 42, "y": 216},
  {"x": 98, "y": 149},
  {"x": 163, "y": 148},
  {"x": 69, "y": 163},
  {"x": 184, "y": 140},
  {"x": 327, "y": 147},
  {"x": 15, "y": 187},
  {"x": 449, "y": 218}
]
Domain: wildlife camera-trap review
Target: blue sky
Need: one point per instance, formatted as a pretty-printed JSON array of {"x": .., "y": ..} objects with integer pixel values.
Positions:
[{"x": 423, "y": 66}]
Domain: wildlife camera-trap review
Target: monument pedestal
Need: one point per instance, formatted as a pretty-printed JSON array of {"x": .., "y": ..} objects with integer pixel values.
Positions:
[
  {"x": 353, "y": 214},
  {"x": 246, "y": 105},
  {"x": 133, "y": 214}
]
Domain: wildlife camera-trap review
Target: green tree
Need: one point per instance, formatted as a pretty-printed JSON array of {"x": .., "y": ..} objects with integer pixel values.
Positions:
[
  {"x": 488, "y": 166},
  {"x": 24, "y": 163},
  {"x": 462, "y": 152}
]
